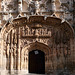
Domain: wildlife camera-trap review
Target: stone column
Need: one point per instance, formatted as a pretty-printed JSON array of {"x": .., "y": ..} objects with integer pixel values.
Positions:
[
  {"x": 17, "y": 48},
  {"x": 9, "y": 55},
  {"x": 10, "y": 52},
  {"x": 12, "y": 58},
  {"x": 27, "y": 65},
  {"x": 14, "y": 61},
  {"x": 22, "y": 60},
  {"x": 7, "y": 62},
  {"x": 2, "y": 53},
  {"x": 11, "y": 61},
  {"x": 19, "y": 44},
  {"x": 25, "y": 61}
]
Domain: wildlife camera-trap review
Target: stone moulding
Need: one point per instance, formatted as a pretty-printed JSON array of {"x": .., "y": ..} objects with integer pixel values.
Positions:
[{"x": 33, "y": 20}]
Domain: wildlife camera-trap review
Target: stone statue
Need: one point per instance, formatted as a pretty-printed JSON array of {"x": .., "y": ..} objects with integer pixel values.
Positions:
[
  {"x": 34, "y": 7},
  {"x": 37, "y": 7}
]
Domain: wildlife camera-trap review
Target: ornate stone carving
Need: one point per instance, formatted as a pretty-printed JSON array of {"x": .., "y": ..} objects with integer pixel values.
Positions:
[
  {"x": 31, "y": 36},
  {"x": 36, "y": 33},
  {"x": 36, "y": 6}
]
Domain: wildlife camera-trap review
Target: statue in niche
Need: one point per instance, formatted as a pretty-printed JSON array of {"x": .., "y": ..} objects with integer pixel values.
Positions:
[{"x": 35, "y": 6}]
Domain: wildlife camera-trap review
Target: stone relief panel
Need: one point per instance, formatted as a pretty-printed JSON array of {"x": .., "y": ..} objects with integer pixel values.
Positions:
[{"x": 38, "y": 34}]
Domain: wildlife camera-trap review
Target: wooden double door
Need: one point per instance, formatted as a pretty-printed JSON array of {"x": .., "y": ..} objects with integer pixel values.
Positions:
[{"x": 37, "y": 62}]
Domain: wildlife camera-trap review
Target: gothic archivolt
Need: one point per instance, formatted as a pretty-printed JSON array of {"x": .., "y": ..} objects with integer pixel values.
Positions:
[{"x": 50, "y": 35}]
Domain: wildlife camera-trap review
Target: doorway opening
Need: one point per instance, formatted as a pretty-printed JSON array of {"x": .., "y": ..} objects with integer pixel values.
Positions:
[{"x": 37, "y": 62}]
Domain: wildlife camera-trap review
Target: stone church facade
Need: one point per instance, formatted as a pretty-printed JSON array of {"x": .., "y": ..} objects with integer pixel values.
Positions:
[{"x": 37, "y": 36}]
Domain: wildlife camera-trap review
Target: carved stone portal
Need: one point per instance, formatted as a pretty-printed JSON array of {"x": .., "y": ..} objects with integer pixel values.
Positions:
[{"x": 24, "y": 36}]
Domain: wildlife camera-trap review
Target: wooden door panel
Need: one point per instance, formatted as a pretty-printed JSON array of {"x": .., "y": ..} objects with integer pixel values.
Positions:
[{"x": 37, "y": 62}]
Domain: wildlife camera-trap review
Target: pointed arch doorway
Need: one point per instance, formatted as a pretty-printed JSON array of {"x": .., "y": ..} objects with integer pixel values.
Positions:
[{"x": 37, "y": 62}]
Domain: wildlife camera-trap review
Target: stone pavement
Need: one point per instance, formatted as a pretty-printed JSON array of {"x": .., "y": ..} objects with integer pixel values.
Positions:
[{"x": 3, "y": 72}]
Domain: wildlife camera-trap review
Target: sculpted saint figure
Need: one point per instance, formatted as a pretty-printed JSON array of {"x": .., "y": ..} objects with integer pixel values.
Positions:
[{"x": 37, "y": 7}]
